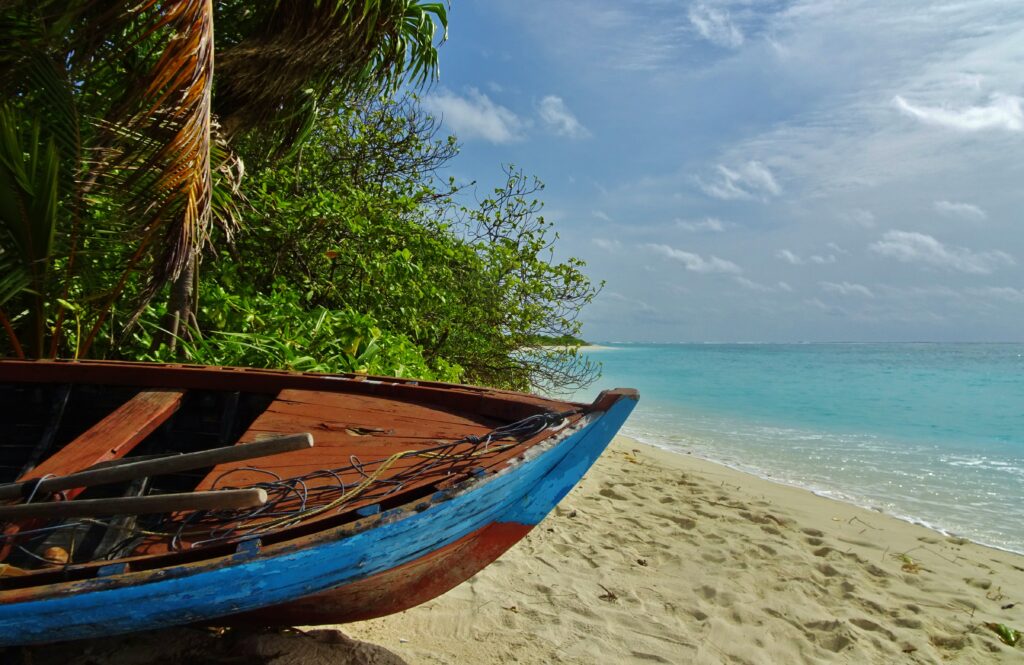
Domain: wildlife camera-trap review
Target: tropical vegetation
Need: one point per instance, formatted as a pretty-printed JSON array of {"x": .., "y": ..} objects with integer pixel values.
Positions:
[{"x": 256, "y": 184}]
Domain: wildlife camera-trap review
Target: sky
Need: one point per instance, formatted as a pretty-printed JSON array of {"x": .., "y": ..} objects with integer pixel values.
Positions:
[{"x": 744, "y": 170}]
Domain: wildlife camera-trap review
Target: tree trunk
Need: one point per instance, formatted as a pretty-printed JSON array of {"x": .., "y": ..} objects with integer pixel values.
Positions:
[{"x": 179, "y": 309}]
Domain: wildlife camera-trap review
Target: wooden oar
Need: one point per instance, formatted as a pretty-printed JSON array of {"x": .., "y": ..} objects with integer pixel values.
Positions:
[
  {"x": 160, "y": 466},
  {"x": 136, "y": 505}
]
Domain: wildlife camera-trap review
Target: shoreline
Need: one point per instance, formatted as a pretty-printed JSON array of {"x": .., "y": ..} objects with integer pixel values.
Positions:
[{"x": 829, "y": 494}]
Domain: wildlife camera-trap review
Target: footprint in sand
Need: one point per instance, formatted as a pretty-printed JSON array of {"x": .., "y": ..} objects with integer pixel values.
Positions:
[
  {"x": 950, "y": 642},
  {"x": 831, "y": 635},
  {"x": 609, "y": 493},
  {"x": 707, "y": 592},
  {"x": 908, "y": 622},
  {"x": 867, "y": 624},
  {"x": 684, "y": 522}
]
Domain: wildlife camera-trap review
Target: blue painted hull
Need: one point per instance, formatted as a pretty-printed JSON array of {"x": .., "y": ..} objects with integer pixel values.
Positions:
[{"x": 523, "y": 494}]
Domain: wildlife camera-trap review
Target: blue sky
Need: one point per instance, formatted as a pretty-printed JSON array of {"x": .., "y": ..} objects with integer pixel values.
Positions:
[{"x": 760, "y": 171}]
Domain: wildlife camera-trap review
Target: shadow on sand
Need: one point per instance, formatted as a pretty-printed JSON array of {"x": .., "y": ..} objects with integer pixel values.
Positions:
[{"x": 209, "y": 646}]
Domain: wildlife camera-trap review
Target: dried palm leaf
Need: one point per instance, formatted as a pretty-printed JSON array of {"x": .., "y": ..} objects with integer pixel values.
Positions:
[{"x": 158, "y": 159}]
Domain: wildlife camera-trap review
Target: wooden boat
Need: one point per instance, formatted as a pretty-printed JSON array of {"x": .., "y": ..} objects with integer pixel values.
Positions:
[{"x": 408, "y": 489}]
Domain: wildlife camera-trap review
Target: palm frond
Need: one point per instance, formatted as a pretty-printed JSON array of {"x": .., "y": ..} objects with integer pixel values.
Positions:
[
  {"x": 29, "y": 206},
  {"x": 159, "y": 162},
  {"x": 274, "y": 77}
]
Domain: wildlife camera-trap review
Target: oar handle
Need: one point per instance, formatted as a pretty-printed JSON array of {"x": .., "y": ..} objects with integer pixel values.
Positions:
[
  {"x": 136, "y": 505},
  {"x": 161, "y": 466}
]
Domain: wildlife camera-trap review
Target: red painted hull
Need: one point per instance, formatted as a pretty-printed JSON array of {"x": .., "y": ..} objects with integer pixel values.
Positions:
[{"x": 397, "y": 589}]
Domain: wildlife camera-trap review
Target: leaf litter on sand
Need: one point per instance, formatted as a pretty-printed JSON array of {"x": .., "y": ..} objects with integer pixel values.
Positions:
[{"x": 1008, "y": 635}]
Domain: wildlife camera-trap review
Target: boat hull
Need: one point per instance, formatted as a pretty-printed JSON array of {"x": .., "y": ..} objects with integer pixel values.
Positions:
[{"x": 396, "y": 562}]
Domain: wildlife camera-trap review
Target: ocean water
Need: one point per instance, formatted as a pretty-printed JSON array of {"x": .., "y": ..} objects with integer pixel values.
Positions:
[{"x": 932, "y": 433}]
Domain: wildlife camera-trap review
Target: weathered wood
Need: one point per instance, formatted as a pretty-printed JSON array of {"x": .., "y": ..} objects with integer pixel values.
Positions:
[
  {"x": 499, "y": 404},
  {"x": 162, "y": 465},
  {"x": 136, "y": 505},
  {"x": 111, "y": 438},
  {"x": 122, "y": 526},
  {"x": 403, "y": 556},
  {"x": 343, "y": 405}
]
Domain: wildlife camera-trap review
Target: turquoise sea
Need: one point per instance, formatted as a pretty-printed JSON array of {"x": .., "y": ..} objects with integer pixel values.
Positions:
[{"x": 933, "y": 433}]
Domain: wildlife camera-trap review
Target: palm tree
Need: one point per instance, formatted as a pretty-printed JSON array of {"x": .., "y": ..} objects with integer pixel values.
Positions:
[{"x": 124, "y": 201}]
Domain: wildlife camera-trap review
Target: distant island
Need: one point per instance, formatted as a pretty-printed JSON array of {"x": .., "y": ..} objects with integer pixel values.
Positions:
[{"x": 561, "y": 340}]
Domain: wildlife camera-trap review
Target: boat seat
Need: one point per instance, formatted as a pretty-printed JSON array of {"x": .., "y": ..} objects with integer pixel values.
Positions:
[{"x": 113, "y": 437}]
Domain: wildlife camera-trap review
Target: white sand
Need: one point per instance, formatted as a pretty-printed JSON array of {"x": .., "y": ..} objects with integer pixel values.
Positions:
[
  {"x": 666, "y": 558},
  {"x": 660, "y": 557}
]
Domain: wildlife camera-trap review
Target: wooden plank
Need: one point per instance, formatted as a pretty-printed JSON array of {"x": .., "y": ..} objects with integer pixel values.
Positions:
[
  {"x": 378, "y": 408},
  {"x": 356, "y": 424},
  {"x": 500, "y": 404},
  {"x": 113, "y": 437},
  {"x": 136, "y": 505}
]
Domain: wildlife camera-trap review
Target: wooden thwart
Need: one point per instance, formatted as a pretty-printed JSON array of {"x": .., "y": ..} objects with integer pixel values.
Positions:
[
  {"x": 136, "y": 505},
  {"x": 159, "y": 466},
  {"x": 114, "y": 436}
]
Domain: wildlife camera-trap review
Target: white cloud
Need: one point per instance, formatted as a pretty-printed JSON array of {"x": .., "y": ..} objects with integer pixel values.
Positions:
[
  {"x": 476, "y": 116},
  {"x": 836, "y": 248},
  {"x": 602, "y": 215},
  {"x": 912, "y": 247},
  {"x": 1008, "y": 293},
  {"x": 1004, "y": 112},
  {"x": 858, "y": 217},
  {"x": 966, "y": 211},
  {"x": 715, "y": 25},
  {"x": 559, "y": 119},
  {"x": 607, "y": 245},
  {"x": 847, "y": 289},
  {"x": 762, "y": 288},
  {"x": 749, "y": 181},
  {"x": 696, "y": 262},
  {"x": 710, "y": 224},
  {"x": 797, "y": 260},
  {"x": 752, "y": 285},
  {"x": 789, "y": 257}
]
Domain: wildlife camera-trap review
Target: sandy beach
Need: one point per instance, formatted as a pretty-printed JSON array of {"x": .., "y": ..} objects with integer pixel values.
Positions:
[{"x": 667, "y": 558}]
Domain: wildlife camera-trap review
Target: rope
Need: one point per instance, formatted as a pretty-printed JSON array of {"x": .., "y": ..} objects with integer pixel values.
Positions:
[{"x": 293, "y": 500}]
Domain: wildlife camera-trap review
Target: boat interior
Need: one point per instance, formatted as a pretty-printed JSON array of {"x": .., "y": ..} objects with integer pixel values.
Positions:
[{"x": 378, "y": 446}]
